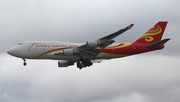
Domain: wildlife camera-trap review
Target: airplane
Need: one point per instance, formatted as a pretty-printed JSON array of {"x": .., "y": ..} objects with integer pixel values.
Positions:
[{"x": 85, "y": 55}]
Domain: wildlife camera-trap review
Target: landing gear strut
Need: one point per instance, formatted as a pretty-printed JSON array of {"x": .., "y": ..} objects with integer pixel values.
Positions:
[
  {"x": 24, "y": 62},
  {"x": 84, "y": 63}
]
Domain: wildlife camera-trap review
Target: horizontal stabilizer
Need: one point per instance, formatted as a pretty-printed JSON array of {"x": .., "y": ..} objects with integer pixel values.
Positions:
[{"x": 157, "y": 44}]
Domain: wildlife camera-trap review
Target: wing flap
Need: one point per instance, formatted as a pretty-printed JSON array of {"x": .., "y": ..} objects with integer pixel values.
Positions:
[{"x": 90, "y": 53}]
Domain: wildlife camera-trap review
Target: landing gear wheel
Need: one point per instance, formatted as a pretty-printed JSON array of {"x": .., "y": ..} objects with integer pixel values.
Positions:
[
  {"x": 87, "y": 62},
  {"x": 79, "y": 65},
  {"x": 82, "y": 63},
  {"x": 24, "y": 62}
]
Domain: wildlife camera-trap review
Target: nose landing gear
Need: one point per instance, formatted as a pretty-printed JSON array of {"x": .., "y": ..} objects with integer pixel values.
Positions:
[{"x": 24, "y": 62}]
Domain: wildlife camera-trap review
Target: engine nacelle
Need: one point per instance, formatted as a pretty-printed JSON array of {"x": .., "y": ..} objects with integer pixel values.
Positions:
[
  {"x": 63, "y": 63},
  {"x": 68, "y": 52},
  {"x": 92, "y": 44}
]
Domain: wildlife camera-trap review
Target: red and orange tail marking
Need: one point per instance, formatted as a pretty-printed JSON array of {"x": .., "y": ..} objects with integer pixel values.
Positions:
[{"x": 154, "y": 34}]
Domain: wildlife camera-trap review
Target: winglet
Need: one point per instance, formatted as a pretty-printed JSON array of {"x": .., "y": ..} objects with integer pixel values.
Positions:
[{"x": 130, "y": 26}]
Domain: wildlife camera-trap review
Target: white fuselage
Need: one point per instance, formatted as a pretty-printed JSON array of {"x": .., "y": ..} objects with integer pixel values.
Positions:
[{"x": 45, "y": 50}]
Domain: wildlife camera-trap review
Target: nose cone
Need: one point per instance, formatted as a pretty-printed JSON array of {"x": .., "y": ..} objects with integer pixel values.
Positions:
[{"x": 13, "y": 51}]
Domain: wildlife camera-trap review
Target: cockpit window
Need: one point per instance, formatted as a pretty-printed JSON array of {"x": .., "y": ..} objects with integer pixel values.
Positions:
[{"x": 19, "y": 43}]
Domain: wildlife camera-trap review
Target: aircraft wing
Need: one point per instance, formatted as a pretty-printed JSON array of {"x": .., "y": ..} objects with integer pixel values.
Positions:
[
  {"x": 89, "y": 49},
  {"x": 107, "y": 40},
  {"x": 115, "y": 34}
]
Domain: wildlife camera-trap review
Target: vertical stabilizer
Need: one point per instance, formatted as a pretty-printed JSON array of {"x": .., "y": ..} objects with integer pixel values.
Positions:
[{"x": 154, "y": 34}]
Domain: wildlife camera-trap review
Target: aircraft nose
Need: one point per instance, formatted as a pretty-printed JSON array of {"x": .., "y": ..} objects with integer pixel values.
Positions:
[{"x": 13, "y": 51}]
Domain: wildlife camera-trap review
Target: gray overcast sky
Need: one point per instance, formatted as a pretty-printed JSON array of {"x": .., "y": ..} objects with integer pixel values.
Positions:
[{"x": 150, "y": 77}]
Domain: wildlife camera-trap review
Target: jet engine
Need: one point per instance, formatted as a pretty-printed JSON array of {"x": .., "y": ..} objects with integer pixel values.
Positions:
[
  {"x": 63, "y": 63},
  {"x": 68, "y": 52},
  {"x": 92, "y": 44}
]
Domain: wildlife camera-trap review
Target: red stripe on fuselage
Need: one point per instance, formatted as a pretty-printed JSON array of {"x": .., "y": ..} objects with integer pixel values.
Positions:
[{"x": 134, "y": 48}]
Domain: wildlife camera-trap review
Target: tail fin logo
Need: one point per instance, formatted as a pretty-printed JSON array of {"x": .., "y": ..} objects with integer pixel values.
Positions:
[{"x": 148, "y": 36}]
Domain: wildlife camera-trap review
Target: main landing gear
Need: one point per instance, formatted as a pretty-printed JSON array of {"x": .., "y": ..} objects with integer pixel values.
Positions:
[
  {"x": 84, "y": 63},
  {"x": 24, "y": 62}
]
